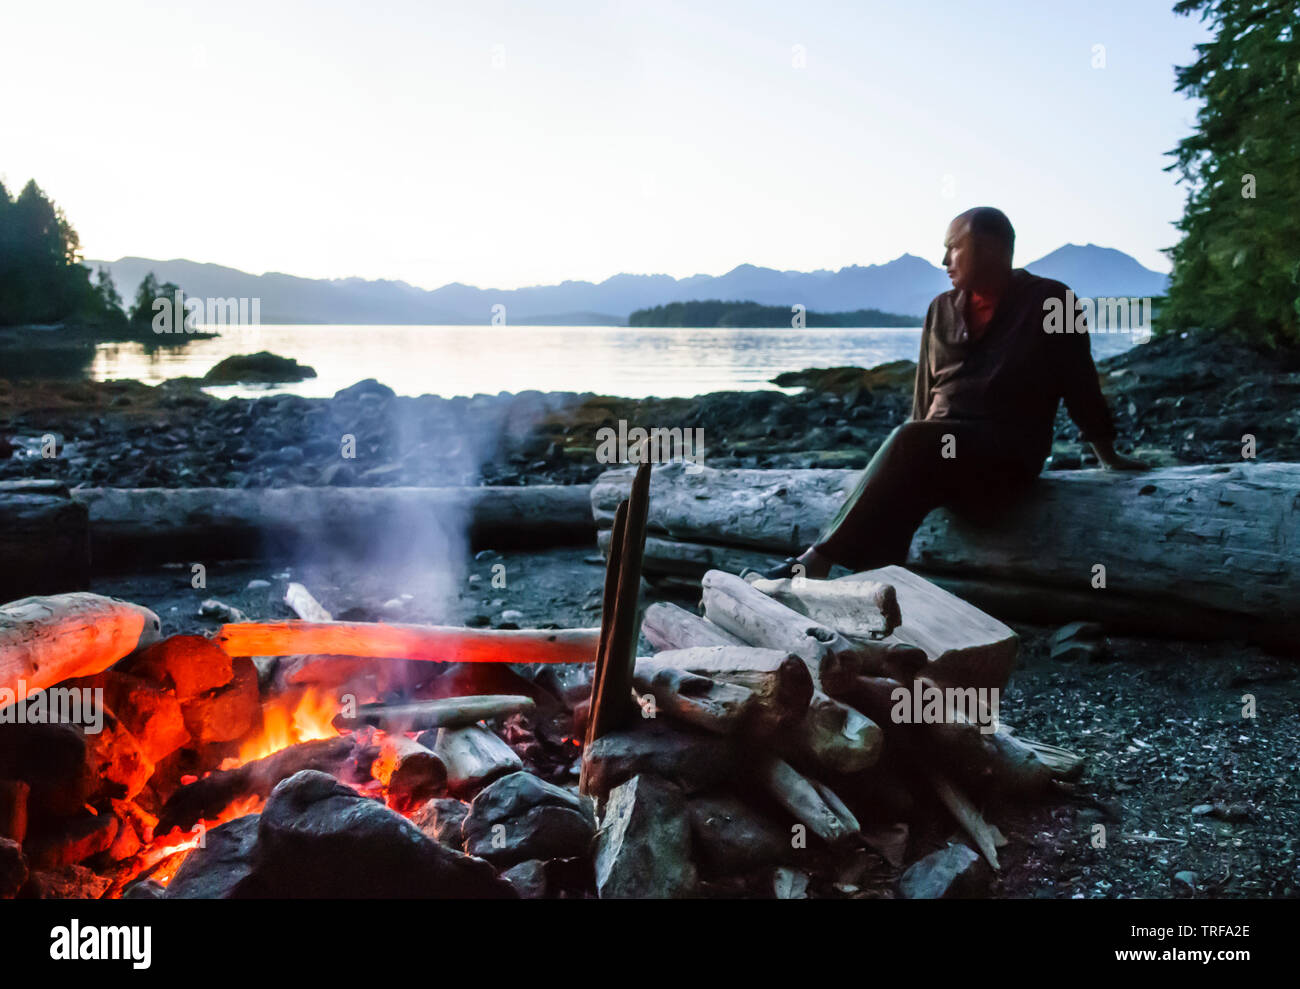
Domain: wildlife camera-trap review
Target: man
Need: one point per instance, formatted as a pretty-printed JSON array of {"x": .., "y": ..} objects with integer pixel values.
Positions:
[{"x": 989, "y": 378}]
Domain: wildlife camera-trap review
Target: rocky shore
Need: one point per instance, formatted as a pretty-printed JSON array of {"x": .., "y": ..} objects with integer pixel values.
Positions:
[{"x": 1175, "y": 400}]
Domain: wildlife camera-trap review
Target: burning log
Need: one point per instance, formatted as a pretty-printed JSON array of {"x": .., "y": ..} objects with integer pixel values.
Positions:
[
  {"x": 811, "y": 803},
  {"x": 780, "y": 682},
  {"x": 193, "y": 664},
  {"x": 411, "y": 773},
  {"x": 430, "y": 643},
  {"x": 449, "y": 712},
  {"x": 668, "y": 626},
  {"x": 473, "y": 757},
  {"x": 45, "y": 640},
  {"x": 697, "y": 700},
  {"x": 206, "y": 798}
]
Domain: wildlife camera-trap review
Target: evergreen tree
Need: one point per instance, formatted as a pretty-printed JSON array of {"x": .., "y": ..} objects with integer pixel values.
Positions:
[{"x": 1238, "y": 264}]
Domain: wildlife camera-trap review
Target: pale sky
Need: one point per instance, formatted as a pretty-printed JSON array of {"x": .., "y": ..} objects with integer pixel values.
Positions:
[{"x": 504, "y": 144}]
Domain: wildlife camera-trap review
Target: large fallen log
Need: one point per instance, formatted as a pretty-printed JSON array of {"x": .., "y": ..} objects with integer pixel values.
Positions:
[
  {"x": 431, "y": 643},
  {"x": 1173, "y": 541},
  {"x": 45, "y": 640},
  {"x": 44, "y": 539},
  {"x": 130, "y": 526}
]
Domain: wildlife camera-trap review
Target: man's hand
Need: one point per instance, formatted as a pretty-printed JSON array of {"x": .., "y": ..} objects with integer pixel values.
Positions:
[{"x": 1114, "y": 461}]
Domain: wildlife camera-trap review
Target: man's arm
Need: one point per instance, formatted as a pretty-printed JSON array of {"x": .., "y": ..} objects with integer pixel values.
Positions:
[
  {"x": 1081, "y": 391},
  {"x": 921, "y": 389}
]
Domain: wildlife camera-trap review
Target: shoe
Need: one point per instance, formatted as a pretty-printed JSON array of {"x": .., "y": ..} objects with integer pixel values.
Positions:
[{"x": 781, "y": 572}]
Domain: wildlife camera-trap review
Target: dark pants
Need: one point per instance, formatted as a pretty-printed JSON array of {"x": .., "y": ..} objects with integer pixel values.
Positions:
[{"x": 974, "y": 468}]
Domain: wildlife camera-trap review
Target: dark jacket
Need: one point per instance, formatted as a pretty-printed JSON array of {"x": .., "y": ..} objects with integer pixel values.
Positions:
[{"x": 1015, "y": 374}]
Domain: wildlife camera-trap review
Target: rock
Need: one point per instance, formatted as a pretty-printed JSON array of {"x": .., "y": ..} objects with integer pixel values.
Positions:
[
  {"x": 193, "y": 664},
  {"x": 257, "y": 584},
  {"x": 367, "y": 387},
  {"x": 441, "y": 819},
  {"x": 1079, "y": 641},
  {"x": 522, "y": 817},
  {"x": 730, "y": 837},
  {"x": 321, "y": 839},
  {"x": 1187, "y": 878},
  {"x": 260, "y": 368},
  {"x": 71, "y": 882},
  {"x": 148, "y": 710},
  {"x": 220, "y": 868},
  {"x": 227, "y": 713},
  {"x": 219, "y": 610},
  {"x": 528, "y": 879},
  {"x": 789, "y": 884},
  {"x": 145, "y": 889},
  {"x": 643, "y": 850},
  {"x": 13, "y": 868},
  {"x": 694, "y": 760},
  {"x": 511, "y": 615},
  {"x": 72, "y": 840},
  {"x": 955, "y": 872}
]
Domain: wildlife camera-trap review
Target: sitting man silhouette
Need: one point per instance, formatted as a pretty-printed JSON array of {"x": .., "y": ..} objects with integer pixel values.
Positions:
[{"x": 989, "y": 378}]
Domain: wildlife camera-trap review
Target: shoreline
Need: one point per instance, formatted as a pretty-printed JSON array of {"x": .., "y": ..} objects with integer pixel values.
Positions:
[{"x": 1175, "y": 401}]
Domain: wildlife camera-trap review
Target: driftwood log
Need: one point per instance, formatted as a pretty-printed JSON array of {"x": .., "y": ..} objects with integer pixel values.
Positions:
[
  {"x": 856, "y": 607},
  {"x": 130, "y": 526},
  {"x": 667, "y": 626},
  {"x": 410, "y": 772},
  {"x": 761, "y": 621},
  {"x": 1185, "y": 550},
  {"x": 207, "y": 797},
  {"x": 44, "y": 539},
  {"x": 780, "y": 683},
  {"x": 473, "y": 756},
  {"x": 448, "y": 712},
  {"x": 45, "y": 640},
  {"x": 710, "y": 704},
  {"x": 432, "y": 643}
]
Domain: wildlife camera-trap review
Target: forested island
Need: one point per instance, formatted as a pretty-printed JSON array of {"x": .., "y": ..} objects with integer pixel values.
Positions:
[{"x": 713, "y": 312}]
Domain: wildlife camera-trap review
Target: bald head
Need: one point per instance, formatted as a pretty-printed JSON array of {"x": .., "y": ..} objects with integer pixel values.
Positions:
[{"x": 978, "y": 248}]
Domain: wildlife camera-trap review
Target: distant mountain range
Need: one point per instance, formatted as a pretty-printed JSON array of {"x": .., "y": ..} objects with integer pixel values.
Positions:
[{"x": 905, "y": 285}]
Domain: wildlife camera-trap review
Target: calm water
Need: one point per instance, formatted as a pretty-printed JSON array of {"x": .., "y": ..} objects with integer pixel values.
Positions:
[{"x": 465, "y": 360}]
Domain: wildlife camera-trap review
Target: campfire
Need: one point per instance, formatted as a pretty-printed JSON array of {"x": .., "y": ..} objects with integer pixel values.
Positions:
[{"x": 785, "y": 741}]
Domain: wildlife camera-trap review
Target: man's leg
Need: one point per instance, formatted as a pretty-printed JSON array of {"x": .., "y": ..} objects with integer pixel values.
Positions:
[{"x": 921, "y": 465}]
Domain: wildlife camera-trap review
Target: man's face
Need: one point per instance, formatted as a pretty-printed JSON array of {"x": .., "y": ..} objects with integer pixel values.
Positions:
[{"x": 961, "y": 255}]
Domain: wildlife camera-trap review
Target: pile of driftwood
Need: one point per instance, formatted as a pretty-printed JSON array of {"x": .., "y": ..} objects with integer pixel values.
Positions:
[
  {"x": 785, "y": 695},
  {"x": 1188, "y": 552},
  {"x": 795, "y": 723}
]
